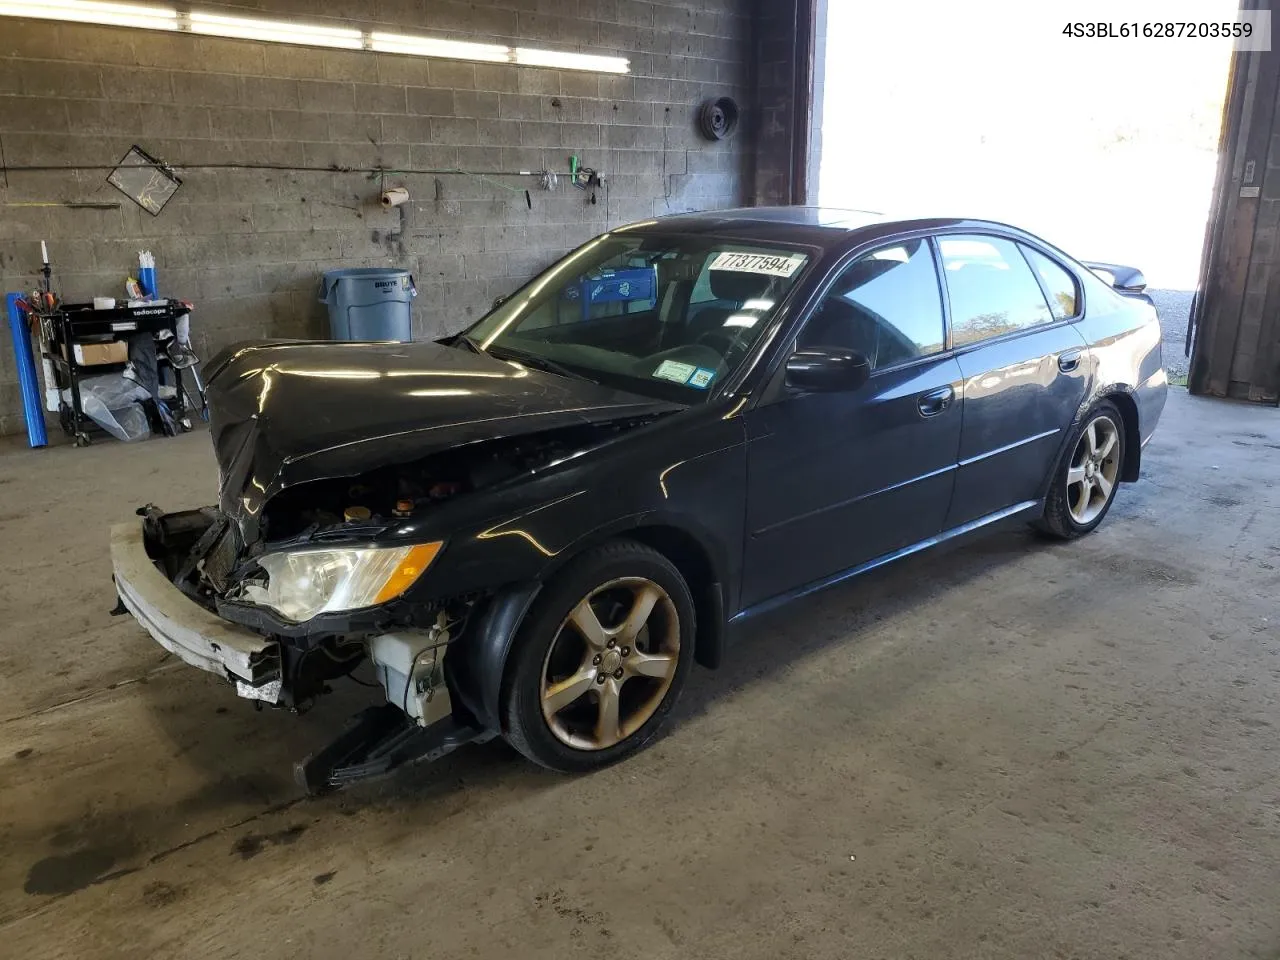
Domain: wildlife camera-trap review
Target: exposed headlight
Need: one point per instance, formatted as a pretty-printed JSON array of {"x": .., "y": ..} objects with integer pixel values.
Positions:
[{"x": 304, "y": 583}]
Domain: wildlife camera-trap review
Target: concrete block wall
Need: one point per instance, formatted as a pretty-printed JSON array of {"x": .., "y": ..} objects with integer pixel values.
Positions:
[{"x": 280, "y": 149}]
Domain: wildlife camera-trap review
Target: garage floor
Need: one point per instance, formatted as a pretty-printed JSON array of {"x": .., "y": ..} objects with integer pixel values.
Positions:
[{"x": 1014, "y": 749}]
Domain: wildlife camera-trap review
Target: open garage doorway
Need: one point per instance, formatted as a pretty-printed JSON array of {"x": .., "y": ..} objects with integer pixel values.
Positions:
[{"x": 1106, "y": 148}]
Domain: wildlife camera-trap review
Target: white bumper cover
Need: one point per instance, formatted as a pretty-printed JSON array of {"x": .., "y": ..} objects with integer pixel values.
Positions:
[{"x": 185, "y": 628}]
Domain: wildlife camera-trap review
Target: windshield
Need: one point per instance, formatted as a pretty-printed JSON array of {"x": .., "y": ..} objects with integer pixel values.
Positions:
[{"x": 665, "y": 316}]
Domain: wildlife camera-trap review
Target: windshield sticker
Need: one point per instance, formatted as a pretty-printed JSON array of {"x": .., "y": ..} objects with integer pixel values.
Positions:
[
  {"x": 675, "y": 372},
  {"x": 768, "y": 265},
  {"x": 702, "y": 378}
]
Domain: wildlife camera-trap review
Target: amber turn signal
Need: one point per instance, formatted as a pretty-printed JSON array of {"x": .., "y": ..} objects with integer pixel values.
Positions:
[{"x": 409, "y": 569}]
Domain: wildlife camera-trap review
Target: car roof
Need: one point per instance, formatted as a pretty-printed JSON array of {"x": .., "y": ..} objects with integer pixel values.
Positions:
[{"x": 825, "y": 227}]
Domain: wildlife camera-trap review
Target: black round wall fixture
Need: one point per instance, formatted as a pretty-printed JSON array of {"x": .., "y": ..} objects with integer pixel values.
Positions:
[{"x": 718, "y": 118}]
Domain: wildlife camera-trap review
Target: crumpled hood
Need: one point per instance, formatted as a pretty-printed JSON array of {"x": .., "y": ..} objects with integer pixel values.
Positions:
[{"x": 289, "y": 412}]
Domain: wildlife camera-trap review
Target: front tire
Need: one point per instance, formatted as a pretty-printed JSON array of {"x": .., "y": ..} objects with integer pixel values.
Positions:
[
  {"x": 600, "y": 660},
  {"x": 1085, "y": 480}
]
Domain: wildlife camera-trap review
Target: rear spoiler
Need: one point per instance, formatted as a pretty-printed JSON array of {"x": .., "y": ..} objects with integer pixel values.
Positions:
[{"x": 1123, "y": 279}]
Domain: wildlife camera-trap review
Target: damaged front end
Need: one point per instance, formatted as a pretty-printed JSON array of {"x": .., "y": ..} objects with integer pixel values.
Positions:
[
  {"x": 347, "y": 472},
  {"x": 170, "y": 571}
]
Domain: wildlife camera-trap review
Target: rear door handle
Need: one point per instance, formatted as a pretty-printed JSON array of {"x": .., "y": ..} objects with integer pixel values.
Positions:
[
  {"x": 1069, "y": 361},
  {"x": 935, "y": 401}
]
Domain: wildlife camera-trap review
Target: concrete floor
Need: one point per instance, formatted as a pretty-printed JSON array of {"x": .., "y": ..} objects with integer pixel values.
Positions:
[{"x": 1014, "y": 749}]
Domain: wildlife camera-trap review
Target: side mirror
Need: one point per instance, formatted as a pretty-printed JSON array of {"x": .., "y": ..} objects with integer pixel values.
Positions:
[{"x": 827, "y": 369}]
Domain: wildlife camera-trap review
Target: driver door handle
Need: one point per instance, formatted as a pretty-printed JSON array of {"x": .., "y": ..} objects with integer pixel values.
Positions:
[
  {"x": 1069, "y": 361},
  {"x": 935, "y": 401}
]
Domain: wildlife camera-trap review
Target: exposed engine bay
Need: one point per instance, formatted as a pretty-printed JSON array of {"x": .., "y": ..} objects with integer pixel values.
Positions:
[
  {"x": 401, "y": 490},
  {"x": 200, "y": 552}
]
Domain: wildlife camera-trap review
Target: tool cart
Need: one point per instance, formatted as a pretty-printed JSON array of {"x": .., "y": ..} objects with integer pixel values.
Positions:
[{"x": 68, "y": 330}]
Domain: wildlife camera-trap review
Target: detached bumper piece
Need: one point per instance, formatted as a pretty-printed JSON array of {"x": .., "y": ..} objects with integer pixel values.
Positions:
[
  {"x": 185, "y": 628},
  {"x": 377, "y": 741}
]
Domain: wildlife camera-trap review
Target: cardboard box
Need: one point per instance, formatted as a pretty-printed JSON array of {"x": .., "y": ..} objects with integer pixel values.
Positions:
[{"x": 94, "y": 354}]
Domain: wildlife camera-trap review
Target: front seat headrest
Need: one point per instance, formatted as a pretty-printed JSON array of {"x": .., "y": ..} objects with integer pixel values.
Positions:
[{"x": 738, "y": 286}]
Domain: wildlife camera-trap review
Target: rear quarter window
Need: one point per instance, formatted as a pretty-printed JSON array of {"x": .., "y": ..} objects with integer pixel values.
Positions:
[{"x": 1064, "y": 295}]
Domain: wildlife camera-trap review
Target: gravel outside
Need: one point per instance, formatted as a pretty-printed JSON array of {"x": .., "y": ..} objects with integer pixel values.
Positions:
[{"x": 1174, "y": 306}]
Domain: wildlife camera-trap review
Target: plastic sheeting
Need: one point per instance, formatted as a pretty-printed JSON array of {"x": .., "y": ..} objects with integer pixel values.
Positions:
[{"x": 111, "y": 401}]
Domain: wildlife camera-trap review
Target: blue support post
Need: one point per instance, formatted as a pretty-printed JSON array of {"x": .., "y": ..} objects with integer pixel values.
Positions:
[{"x": 28, "y": 381}]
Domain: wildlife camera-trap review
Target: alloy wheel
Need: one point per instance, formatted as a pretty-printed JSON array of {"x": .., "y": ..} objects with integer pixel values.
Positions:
[
  {"x": 1094, "y": 470},
  {"x": 611, "y": 663}
]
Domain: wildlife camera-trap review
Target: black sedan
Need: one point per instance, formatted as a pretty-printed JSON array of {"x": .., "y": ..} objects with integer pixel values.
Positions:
[{"x": 535, "y": 528}]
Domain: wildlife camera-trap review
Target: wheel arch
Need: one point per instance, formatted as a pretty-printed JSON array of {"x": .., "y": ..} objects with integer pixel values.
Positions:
[
  {"x": 694, "y": 562},
  {"x": 1128, "y": 407},
  {"x": 692, "y": 553},
  {"x": 479, "y": 669},
  {"x": 1122, "y": 397}
]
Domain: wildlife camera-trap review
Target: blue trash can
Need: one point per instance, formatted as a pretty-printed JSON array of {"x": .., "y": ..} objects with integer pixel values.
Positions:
[{"x": 368, "y": 303}]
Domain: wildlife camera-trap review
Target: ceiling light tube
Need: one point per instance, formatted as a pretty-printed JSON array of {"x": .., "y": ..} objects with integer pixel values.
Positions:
[
  {"x": 276, "y": 31},
  {"x": 148, "y": 17},
  {"x": 434, "y": 47},
  {"x": 95, "y": 11},
  {"x": 571, "y": 61}
]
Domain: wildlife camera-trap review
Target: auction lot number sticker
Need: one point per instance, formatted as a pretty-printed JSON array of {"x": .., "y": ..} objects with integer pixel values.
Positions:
[{"x": 768, "y": 264}]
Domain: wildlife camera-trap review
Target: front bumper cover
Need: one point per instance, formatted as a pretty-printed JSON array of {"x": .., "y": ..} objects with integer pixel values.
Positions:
[
  {"x": 185, "y": 628},
  {"x": 378, "y": 741}
]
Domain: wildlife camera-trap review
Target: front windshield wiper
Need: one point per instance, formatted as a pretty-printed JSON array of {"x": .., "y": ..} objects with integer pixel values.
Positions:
[{"x": 539, "y": 362}]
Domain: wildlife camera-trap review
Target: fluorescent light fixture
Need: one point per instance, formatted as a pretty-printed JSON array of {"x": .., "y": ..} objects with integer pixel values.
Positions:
[
  {"x": 434, "y": 47},
  {"x": 94, "y": 11},
  {"x": 758, "y": 305},
  {"x": 440, "y": 393},
  {"x": 571, "y": 61},
  {"x": 741, "y": 320},
  {"x": 276, "y": 31},
  {"x": 149, "y": 17}
]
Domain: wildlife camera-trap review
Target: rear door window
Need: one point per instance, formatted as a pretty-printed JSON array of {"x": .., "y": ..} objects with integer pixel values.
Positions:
[{"x": 991, "y": 288}]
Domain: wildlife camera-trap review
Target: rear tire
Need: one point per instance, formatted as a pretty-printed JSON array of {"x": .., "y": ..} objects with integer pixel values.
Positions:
[
  {"x": 600, "y": 660},
  {"x": 1085, "y": 480}
]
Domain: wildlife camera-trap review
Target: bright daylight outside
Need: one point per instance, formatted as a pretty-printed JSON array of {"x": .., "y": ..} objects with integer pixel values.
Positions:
[{"x": 1107, "y": 149}]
